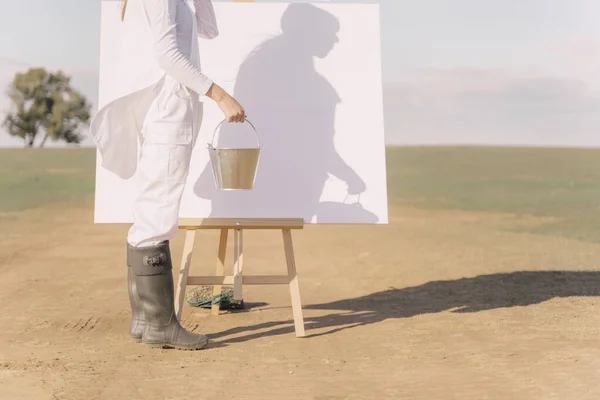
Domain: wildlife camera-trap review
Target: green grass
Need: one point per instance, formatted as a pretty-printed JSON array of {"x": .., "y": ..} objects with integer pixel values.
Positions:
[
  {"x": 551, "y": 182},
  {"x": 560, "y": 183},
  {"x": 33, "y": 177}
]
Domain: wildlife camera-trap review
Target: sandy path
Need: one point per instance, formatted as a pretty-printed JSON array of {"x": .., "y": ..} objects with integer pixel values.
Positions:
[{"x": 434, "y": 306}]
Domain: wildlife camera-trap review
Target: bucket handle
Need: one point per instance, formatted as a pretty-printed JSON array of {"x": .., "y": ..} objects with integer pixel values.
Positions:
[{"x": 221, "y": 123}]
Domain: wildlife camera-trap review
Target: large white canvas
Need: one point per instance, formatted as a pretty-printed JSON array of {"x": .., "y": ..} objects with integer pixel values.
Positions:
[{"x": 311, "y": 85}]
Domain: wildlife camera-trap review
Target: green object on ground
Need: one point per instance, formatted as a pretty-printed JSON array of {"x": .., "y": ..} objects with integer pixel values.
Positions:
[{"x": 203, "y": 297}]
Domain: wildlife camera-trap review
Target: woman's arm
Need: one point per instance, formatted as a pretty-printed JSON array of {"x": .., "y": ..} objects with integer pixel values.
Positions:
[
  {"x": 206, "y": 21},
  {"x": 162, "y": 17},
  {"x": 163, "y": 22}
]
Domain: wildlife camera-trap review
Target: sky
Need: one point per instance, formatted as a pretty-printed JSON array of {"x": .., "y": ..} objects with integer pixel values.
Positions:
[{"x": 518, "y": 72}]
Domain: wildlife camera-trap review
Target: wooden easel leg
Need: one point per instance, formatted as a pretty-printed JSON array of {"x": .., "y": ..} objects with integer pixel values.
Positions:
[
  {"x": 238, "y": 263},
  {"x": 293, "y": 283},
  {"x": 220, "y": 270},
  {"x": 186, "y": 260}
]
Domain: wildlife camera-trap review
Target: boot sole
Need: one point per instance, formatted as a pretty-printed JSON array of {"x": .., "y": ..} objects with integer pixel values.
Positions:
[
  {"x": 199, "y": 346},
  {"x": 137, "y": 337}
]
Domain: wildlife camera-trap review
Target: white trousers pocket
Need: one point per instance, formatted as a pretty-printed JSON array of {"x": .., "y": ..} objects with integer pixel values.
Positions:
[{"x": 163, "y": 168}]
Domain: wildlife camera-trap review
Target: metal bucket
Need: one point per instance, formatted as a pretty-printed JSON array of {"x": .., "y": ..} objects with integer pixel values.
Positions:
[{"x": 234, "y": 169}]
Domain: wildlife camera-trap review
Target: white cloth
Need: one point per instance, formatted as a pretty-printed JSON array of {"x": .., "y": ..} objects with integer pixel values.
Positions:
[
  {"x": 162, "y": 115},
  {"x": 165, "y": 32}
]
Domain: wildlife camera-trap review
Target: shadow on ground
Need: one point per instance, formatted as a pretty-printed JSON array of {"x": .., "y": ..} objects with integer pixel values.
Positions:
[{"x": 468, "y": 295}]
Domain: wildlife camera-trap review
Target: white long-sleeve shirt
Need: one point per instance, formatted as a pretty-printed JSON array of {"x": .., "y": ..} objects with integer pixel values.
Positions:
[
  {"x": 172, "y": 31},
  {"x": 165, "y": 34}
]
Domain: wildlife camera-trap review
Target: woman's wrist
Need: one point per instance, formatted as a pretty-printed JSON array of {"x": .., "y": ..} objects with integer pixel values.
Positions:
[{"x": 216, "y": 93}]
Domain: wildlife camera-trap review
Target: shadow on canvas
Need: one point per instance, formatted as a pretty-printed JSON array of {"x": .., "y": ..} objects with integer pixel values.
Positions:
[{"x": 293, "y": 108}]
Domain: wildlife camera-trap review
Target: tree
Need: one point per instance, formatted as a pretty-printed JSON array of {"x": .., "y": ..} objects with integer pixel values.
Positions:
[{"x": 45, "y": 103}]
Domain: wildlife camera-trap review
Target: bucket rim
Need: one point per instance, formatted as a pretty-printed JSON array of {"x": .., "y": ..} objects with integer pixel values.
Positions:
[
  {"x": 237, "y": 189},
  {"x": 210, "y": 146}
]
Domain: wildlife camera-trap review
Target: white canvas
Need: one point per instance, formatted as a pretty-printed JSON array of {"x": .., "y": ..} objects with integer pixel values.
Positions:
[{"x": 314, "y": 94}]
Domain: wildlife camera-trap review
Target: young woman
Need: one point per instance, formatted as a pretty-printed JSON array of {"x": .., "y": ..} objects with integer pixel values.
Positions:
[{"x": 168, "y": 116}]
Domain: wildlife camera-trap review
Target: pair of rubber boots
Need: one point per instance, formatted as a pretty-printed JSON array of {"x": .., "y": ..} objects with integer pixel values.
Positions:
[{"x": 151, "y": 294}]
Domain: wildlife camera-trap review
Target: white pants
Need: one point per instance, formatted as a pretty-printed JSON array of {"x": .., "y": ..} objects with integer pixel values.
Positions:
[{"x": 168, "y": 137}]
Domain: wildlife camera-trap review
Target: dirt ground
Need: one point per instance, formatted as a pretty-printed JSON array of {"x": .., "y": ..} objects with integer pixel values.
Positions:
[{"x": 435, "y": 305}]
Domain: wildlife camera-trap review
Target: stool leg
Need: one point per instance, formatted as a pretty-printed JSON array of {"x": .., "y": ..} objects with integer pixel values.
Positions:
[
  {"x": 238, "y": 264},
  {"x": 294, "y": 286},
  {"x": 220, "y": 269}
]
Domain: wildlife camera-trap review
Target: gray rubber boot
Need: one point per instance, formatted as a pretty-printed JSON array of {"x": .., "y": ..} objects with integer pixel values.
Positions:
[
  {"x": 136, "y": 326},
  {"x": 152, "y": 268}
]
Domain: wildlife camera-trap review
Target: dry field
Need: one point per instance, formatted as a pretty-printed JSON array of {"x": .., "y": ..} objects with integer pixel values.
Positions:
[{"x": 484, "y": 285}]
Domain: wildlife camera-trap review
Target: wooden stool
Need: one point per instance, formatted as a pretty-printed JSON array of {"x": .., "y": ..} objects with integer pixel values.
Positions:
[{"x": 238, "y": 279}]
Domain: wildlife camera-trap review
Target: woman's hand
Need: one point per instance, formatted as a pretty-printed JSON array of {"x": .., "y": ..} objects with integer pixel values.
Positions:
[{"x": 232, "y": 110}]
